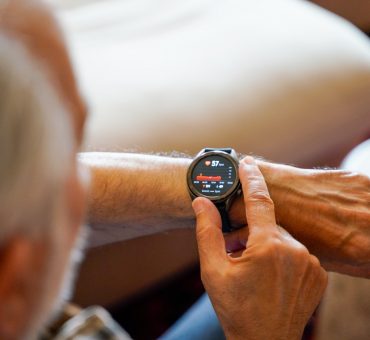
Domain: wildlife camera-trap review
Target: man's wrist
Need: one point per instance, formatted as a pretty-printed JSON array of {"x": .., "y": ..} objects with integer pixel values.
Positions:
[{"x": 274, "y": 174}]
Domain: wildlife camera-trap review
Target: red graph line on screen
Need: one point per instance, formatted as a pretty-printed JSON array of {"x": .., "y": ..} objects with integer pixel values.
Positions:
[{"x": 209, "y": 178}]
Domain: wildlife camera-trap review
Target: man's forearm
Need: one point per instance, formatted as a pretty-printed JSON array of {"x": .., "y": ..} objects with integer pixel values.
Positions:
[
  {"x": 134, "y": 195},
  {"x": 328, "y": 211}
]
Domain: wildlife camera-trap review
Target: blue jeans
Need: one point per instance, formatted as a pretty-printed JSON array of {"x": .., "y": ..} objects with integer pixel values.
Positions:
[{"x": 198, "y": 323}]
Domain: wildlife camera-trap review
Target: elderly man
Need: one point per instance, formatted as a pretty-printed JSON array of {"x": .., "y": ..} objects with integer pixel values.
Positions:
[
  {"x": 40, "y": 228},
  {"x": 43, "y": 199}
]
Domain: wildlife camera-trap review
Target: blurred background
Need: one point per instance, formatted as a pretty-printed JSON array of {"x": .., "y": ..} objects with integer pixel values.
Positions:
[{"x": 288, "y": 80}]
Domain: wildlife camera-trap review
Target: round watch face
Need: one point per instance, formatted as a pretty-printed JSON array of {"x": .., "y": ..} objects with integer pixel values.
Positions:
[{"x": 213, "y": 176}]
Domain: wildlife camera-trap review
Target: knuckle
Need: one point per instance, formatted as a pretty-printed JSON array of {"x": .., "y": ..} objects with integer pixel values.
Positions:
[
  {"x": 273, "y": 247},
  {"x": 320, "y": 274},
  {"x": 276, "y": 235},
  {"x": 301, "y": 251},
  {"x": 315, "y": 262},
  {"x": 202, "y": 231},
  {"x": 261, "y": 196},
  {"x": 301, "y": 258},
  {"x": 324, "y": 278},
  {"x": 296, "y": 248},
  {"x": 357, "y": 248},
  {"x": 254, "y": 178},
  {"x": 297, "y": 253}
]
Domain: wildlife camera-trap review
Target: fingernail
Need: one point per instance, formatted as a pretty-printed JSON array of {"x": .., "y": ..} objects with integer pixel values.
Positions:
[
  {"x": 197, "y": 206},
  {"x": 249, "y": 160}
]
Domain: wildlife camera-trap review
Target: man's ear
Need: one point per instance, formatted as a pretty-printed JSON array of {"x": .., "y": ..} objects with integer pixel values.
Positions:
[{"x": 17, "y": 261}]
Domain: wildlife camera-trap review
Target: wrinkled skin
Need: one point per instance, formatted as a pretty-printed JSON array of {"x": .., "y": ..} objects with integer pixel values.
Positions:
[
  {"x": 327, "y": 210},
  {"x": 271, "y": 285}
]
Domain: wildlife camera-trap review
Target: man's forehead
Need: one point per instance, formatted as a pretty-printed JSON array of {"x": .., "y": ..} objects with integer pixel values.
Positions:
[{"x": 33, "y": 24}]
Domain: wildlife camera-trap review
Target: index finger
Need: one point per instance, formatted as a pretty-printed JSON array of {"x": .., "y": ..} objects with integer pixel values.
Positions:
[{"x": 259, "y": 206}]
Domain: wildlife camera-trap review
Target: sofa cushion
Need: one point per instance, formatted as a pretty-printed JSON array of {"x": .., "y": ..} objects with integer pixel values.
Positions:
[{"x": 283, "y": 79}]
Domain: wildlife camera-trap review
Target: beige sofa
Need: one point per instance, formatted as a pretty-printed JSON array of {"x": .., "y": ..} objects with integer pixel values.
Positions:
[{"x": 283, "y": 79}]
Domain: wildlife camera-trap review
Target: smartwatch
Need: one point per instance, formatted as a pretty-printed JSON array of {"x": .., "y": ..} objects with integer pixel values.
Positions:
[{"x": 214, "y": 174}]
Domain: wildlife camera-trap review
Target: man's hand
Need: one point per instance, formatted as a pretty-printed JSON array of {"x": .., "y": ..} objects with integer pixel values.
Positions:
[
  {"x": 326, "y": 210},
  {"x": 269, "y": 289}
]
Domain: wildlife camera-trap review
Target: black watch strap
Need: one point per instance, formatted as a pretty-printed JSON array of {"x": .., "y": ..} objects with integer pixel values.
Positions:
[
  {"x": 227, "y": 150},
  {"x": 226, "y": 225}
]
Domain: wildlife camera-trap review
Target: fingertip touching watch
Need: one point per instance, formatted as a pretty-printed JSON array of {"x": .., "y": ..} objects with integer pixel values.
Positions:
[{"x": 214, "y": 174}]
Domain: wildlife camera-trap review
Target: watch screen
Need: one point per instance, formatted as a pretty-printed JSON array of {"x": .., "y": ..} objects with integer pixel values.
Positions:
[{"x": 214, "y": 175}]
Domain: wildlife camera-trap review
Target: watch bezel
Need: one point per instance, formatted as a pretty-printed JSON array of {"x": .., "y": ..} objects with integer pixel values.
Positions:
[{"x": 195, "y": 193}]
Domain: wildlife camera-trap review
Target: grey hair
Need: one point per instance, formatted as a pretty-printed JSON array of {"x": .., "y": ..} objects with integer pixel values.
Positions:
[{"x": 36, "y": 146}]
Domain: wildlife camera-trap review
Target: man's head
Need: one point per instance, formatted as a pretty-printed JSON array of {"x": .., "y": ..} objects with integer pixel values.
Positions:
[
  {"x": 41, "y": 194},
  {"x": 32, "y": 23}
]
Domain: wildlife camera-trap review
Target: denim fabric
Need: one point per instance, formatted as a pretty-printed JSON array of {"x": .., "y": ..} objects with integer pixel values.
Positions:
[{"x": 198, "y": 323}]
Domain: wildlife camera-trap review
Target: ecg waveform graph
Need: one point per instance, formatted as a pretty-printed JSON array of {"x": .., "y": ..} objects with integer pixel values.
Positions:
[{"x": 209, "y": 178}]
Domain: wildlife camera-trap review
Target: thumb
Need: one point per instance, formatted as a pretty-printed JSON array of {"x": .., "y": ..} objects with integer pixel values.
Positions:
[{"x": 211, "y": 244}]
